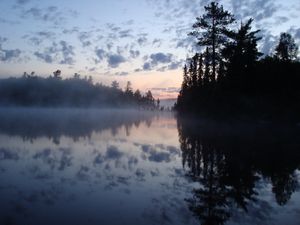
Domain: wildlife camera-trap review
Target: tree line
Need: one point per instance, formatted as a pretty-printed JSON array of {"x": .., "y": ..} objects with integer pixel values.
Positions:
[
  {"x": 77, "y": 91},
  {"x": 230, "y": 76}
]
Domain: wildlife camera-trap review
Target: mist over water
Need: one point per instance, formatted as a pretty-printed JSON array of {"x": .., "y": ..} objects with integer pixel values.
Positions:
[{"x": 77, "y": 166}]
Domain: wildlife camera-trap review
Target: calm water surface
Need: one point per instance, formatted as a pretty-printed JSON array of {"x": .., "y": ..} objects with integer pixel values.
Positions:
[{"x": 124, "y": 167}]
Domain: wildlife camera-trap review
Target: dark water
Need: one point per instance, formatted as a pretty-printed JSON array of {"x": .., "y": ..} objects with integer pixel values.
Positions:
[{"x": 124, "y": 167}]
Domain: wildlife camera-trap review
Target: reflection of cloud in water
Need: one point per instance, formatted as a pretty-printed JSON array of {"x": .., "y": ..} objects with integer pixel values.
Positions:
[
  {"x": 113, "y": 152},
  {"x": 6, "y": 154},
  {"x": 60, "y": 159},
  {"x": 105, "y": 173},
  {"x": 159, "y": 153}
]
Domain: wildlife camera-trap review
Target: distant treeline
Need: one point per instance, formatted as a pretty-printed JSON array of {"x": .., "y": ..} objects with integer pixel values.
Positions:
[
  {"x": 53, "y": 91},
  {"x": 231, "y": 78}
]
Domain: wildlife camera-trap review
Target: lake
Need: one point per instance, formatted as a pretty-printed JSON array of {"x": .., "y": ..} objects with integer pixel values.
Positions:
[{"x": 75, "y": 166}]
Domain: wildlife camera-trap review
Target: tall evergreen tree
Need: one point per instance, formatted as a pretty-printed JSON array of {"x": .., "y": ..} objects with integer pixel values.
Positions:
[
  {"x": 200, "y": 70},
  {"x": 241, "y": 53},
  {"x": 206, "y": 76},
  {"x": 286, "y": 50},
  {"x": 210, "y": 31},
  {"x": 185, "y": 78},
  {"x": 194, "y": 66}
]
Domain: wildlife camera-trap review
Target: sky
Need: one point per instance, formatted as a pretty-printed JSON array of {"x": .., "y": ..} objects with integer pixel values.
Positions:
[{"x": 142, "y": 41}]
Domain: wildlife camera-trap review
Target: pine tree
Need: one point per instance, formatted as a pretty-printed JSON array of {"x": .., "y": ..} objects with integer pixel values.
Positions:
[
  {"x": 242, "y": 53},
  {"x": 286, "y": 50},
  {"x": 200, "y": 70},
  {"x": 206, "y": 77},
  {"x": 194, "y": 65},
  {"x": 128, "y": 89},
  {"x": 210, "y": 31},
  {"x": 185, "y": 78}
]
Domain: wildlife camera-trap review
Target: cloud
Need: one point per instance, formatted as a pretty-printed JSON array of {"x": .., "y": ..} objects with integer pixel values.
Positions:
[
  {"x": 22, "y": 2},
  {"x": 160, "y": 58},
  {"x": 166, "y": 90},
  {"x": 125, "y": 33},
  {"x": 71, "y": 31},
  {"x": 268, "y": 43},
  {"x": 115, "y": 60},
  {"x": 146, "y": 66},
  {"x": 45, "y": 34},
  {"x": 83, "y": 38},
  {"x": 259, "y": 10},
  {"x": 156, "y": 59},
  {"x": 157, "y": 42},
  {"x": 46, "y": 57},
  {"x": 295, "y": 32},
  {"x": 123, "y": 73},
  {"x": 113, "y": 27},
  {"x": 137, "y": 70},
  {"x": 101, "y": 54},
  {"x": 61, "y": 53},
  {"x": 8, "y": 55},
  {"x": 39, "y": 37},
  {"x": 51, "y": 14},
  {"x": 177, "y": 9},
  {"x": 2, "y": 40},
  {"x": 134, "y": 53},
  {"x": 175, "y": 65},
  {"x": 142, "y": 41},
  {"x": 10, "y": 22},
  {"x": 281, "y": 19},
  {"x": 185, "y": 43},
  {"x": 67, "y": 52}
]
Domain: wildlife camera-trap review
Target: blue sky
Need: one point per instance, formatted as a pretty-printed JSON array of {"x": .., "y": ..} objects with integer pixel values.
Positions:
[{"x": 144, "y": 41}]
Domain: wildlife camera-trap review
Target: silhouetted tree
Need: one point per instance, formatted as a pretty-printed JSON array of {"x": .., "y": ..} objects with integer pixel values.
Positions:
[
  {"x": 200, "y": 71},
  {"x": 76, "y": 76},
  {"x": 286, "y": 50},
  {"x": 185, "y": 78},
  {"x": 115, "y": 84},
  {"x": 149, "y": 98},
  {"x": 137, "y": 94},
  {"x": 57, "y": 74},
  {"x": 207, "y": 73},
  {"x": 228, "y": 78},
  {"x": 241, "y": 53},
  {"x": 210, "y": 31},
  {"x": 128, "y": 89}
]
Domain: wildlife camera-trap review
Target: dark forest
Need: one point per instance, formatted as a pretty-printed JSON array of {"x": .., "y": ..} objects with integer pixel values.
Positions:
[
  {"x": 53, "y": 91},
  {"x": 231, "y": 78}
]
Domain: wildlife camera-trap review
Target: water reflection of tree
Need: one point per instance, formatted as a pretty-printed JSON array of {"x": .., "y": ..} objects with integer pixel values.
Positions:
[
  {"x": 227, "y": 162},
  {"x": 75, "y": 123}
]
